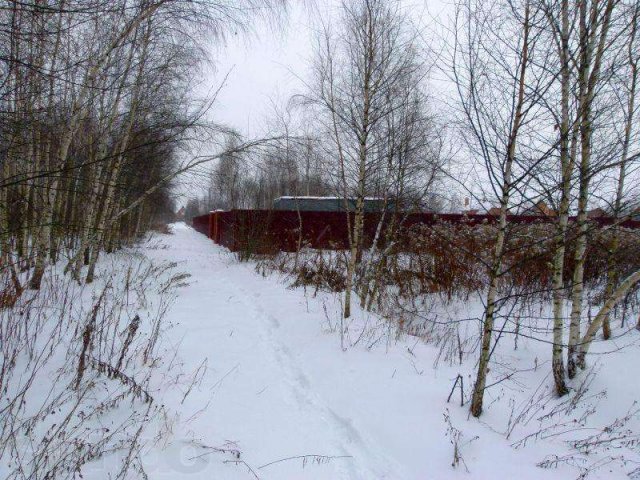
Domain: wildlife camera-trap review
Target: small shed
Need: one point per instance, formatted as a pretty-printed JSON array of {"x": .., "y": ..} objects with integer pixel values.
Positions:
[{"x": 330, "y": 204}]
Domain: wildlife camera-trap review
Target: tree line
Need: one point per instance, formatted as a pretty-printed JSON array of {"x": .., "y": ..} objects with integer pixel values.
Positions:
[{"x": 98, "y": 115}]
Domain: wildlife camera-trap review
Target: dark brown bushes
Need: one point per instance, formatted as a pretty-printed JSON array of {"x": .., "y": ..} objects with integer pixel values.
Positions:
[{"x": 453, "y": 259}]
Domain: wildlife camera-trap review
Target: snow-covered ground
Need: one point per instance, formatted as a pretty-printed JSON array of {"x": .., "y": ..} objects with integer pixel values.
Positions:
[{"x": 279, "y": 398}]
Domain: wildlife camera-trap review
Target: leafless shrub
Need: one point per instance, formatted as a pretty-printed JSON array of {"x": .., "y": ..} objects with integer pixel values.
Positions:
[
  {"x": 617, "y": 435},
  {"x": 455, "y": 438},
  {"x": 59, "y": 387},
  {"x": 584, "y": 465},
  {"x": 317, "y": 270},
  {"x": 568, "y": 421},
  {"x": 543, "y": 408}
]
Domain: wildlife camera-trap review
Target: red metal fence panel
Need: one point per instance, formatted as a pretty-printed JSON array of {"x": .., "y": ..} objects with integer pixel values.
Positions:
[
  {"x": 265, "y": 231},
  {"x": 201, "y": 224}
]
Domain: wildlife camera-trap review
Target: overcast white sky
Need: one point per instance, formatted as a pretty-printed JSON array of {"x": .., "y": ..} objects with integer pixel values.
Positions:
[{"x": 269, "y": 64}]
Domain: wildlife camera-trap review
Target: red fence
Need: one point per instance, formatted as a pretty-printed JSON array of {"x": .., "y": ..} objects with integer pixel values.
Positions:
[
  {"x": 286, "y": 230},
  {"x": 201, "y": 224}
]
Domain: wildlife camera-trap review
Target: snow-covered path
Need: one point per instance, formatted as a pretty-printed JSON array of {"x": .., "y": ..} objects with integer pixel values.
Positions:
[
  {"x": 261, "y": 397},
  {"x": 278, "y": 387}
]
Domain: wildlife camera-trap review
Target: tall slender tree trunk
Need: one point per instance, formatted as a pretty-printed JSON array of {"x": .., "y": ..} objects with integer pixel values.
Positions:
[
  {"x": 612, "y": 276},
  {"x": 498, "y": 253},
  {"x": 358, "y": 221},
  {"x": 592, "y": 48},
  {"x": 557, "y": 361}
]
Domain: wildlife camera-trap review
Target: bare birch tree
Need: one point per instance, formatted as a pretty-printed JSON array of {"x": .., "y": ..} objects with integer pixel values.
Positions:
[
  {"x": 358, "y": 71},
  {"x": 497, "y": 93}
]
